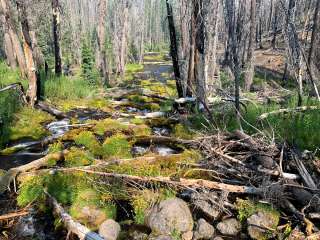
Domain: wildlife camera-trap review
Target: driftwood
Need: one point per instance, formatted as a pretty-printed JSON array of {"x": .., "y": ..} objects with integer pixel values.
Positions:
[
  {"x": 51, "y": 110},
  {"x": 73, "y": 226},
  {"x": 288, "y": 110}
]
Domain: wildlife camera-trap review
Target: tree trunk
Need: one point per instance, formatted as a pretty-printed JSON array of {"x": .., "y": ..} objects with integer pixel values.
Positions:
[
  {"x": 27, "y": 47},
  {"x": 174, "y": 49},
  {"x": 8, "y": 46},
  {"x": 102, "y": 55},
  {"x": 123, "y": 47},
  {"x": 56, "y": 22},
  {"x": 249, "y": 74},
  {"x": 315, "y": 30},
  {"x": 16, "y": 45}
]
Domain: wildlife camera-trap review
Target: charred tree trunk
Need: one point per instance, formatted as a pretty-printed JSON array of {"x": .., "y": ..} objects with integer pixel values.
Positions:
[
  {"x": 174, "y": 49},
  {"x": 56, "y": 21},
  {"x": 28, "y": 52},
  {"x": 102, "y": 55},
  {"x": 250, "y": 59}
]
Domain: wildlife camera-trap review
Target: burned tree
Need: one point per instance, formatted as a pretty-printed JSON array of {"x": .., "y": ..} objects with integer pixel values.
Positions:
[{"x": 56, "y": 22}]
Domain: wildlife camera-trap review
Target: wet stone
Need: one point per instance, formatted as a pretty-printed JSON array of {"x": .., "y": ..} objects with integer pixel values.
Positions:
[{"x": 230, "y": 227}]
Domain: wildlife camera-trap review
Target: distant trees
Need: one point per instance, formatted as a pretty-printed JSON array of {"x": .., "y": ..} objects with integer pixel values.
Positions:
[{"x": 56, "y": 25}]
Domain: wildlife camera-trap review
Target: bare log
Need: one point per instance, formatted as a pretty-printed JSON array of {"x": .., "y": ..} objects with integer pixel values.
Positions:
[
  {"x": 73, "y": 226},
  {"x": 182, "y": 182},
  {"x": 10, "y": 176},
  {"x": 51, "y": 110},
  {"x": 288, "y": 110}
]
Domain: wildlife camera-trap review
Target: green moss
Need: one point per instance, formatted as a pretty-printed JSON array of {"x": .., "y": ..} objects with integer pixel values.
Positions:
[
  {"x": 133, "y": 68},
  {"x": 78, "y": 157},
  {"x": 144, "y": 199},
  {"x": 141, "y": 130},
  {"x": 28, "y": 124},
  {"x": 55, "y": 147},
  {"x": 247, "y": 208},
  {"x": 67, "y": 105},
  {"x": 88, "y": 140},
  {"x": 109, "y": 125},
  {"x": 182, "y": 131},
  {"x": 30, "y": 190},
  {"x": 160, "y": 166},
  {"x": 92, "y": 200},
  {"x": 137, "y": 121},
  {"x": 116, "y": 146},
  {"x": 155, "y": 57}
]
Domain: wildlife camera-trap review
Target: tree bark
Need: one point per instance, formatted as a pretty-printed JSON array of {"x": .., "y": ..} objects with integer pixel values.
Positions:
[
  {"x": 5, "y": 8},
  {"x": 249, "y": 73},
  {"x": 174, "y": 49},
  {"x": 56, "y": 22},
  {"x": 28, "y": 52},
  {"x": 315, "y": 30},
  {"x": 123, "y": 47},
  {"x": 102, "y": 55}
]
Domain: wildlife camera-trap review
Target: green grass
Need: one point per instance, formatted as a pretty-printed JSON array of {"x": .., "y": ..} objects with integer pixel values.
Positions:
[
  {"x": 300, "y": 129},
  {"x": 133, "y": 68},
  {"x": 66, "y": 88},
  {"x": 9, "y": 76}
]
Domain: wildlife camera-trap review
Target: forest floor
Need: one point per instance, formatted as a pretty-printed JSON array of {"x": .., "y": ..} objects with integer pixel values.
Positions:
[{"x": 127, "y": 154}]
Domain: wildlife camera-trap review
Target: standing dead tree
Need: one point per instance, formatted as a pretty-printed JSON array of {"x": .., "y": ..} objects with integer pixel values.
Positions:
[
  {"x": 101, "y": 51},
  {"x": 174, "y": 49},
  {"x": 28, "y": 52},
  {"x": 56, "y": 22}
]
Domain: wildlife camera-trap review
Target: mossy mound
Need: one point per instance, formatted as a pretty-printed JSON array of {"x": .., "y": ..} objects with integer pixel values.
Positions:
[
  {"x": 108, "y": 125},
  {"x": 182, "y": 131},
  {"x": 141, "y": 130},
  {"x": 67, "y": 105},
  {"x": 89, "y": 208},
  {"x": 144, "y": 199},
  {"x": 78, "y": 157},
  {"x": 28, "y": 123},
  {"x": 246, "y": 208},
  {"x": 159, "y": 166},
  {"x": 88, "y": 139},
  {"x": 116, "y": 146}
]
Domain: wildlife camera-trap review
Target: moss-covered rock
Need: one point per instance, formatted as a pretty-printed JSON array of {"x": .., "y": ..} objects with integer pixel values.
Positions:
[
  {"x": 116, "y": 146},
  {"x": 88, "y": 139},
  {"x": 28, "y": 123},
  {"x": 108, "y": 125}
]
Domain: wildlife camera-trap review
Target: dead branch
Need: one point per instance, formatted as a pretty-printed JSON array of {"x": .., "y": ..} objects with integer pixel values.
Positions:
[
  {"x": 288, "y": 110},
  {"x": 73, "y": 226},
  {"x": 13, "y": 215},
  {"x": 16, "y": 86}
]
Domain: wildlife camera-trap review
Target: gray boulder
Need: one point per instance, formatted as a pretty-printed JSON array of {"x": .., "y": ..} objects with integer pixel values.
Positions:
[
  {"x": 203, "y": 230},
  {"x": 109, "y": 230},
  {"x": 172, "y": 215},
  {"x": 230, "y": 227},
  {"x": 259, "y": 222}
]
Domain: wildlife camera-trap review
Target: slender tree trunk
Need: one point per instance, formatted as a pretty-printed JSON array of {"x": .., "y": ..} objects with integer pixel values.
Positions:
[
  {"x": 275, "y": 29},
  {"x": 56, "y": 22},
  {"x": 191, "y": 71},
  {"x": 249, "y": 74},
  {"x": 27, "y": 47},
  {"x": 123, "y": 47},
  {"x": 174, "y": 49},
  {"x": 102, "y": 55}
]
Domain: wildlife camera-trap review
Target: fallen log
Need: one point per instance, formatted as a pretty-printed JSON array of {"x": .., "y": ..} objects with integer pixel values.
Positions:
[
  {"x": 10, "y": 175},
  {"x": 288, "y": 110},
  {"x": 71, "y": 225},
  {"x": 160, "y": 140},
  {"x": 182, "y": 183},
  {"x": 51, "y": 110}
]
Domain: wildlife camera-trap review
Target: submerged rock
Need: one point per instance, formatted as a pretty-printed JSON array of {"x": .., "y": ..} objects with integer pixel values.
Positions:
[
  {"x": 260, "y": 222},
  {"x": 169, "y": 216},
  {"x": 164, "y": 150},
  {"x": 25, "y": 227},
  {"x": 109, "y": 230},
  {"x": 230, "y": 227},
  {"x": 203, "y": 230}
]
